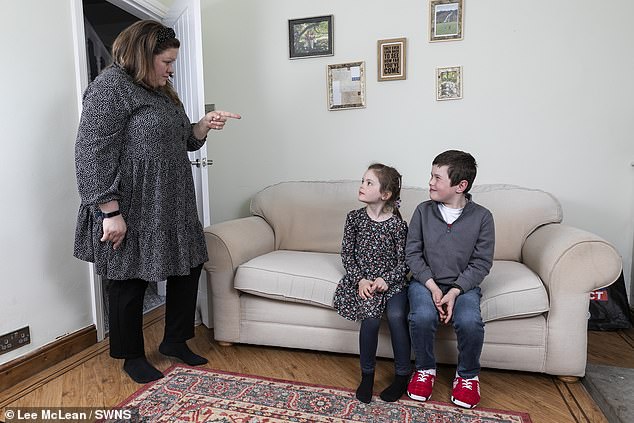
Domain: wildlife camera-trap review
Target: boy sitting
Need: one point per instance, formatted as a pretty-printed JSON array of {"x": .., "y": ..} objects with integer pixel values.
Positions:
[{"x": 449, "y": 251}]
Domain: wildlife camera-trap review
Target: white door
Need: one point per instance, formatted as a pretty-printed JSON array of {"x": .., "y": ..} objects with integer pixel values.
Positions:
[{"x": 184, "y": 17}]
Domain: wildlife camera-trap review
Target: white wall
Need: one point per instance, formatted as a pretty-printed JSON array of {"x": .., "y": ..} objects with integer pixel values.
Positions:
[
  {"x": 41, "y": 285},
  {"x": 547, "y": 101}
]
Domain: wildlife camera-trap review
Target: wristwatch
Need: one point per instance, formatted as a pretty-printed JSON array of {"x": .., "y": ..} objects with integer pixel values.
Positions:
[{"x": 103, "y": 215}]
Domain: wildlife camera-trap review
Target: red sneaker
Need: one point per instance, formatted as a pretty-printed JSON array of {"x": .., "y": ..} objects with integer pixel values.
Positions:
[
  {"x": 421, "y": 384},
  {"x": 466, "y": 392}
]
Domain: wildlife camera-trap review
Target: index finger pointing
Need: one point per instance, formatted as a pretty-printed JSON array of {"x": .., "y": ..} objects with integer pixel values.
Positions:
[{"x": 229, "y": 114}]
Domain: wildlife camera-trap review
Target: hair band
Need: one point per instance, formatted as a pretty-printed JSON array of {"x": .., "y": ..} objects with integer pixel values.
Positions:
[{"x": 164, "y": 34}]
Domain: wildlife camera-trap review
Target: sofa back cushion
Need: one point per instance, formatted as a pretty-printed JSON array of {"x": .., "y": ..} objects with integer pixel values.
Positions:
[{"x": 309, "y": 216}]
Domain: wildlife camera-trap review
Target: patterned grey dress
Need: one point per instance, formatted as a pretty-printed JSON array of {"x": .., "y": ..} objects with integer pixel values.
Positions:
[
  {"x": 132, "y": 147},
  {"x": 369, "y": 250}
]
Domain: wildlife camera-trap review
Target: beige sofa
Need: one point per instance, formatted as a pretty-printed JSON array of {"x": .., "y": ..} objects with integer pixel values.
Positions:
[{"x": 272, "y": 276}]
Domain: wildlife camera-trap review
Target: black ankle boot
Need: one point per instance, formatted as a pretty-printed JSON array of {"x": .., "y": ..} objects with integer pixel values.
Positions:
[
  {"x": 364, "y": 391},
  {"x": 396, "y": 389}
]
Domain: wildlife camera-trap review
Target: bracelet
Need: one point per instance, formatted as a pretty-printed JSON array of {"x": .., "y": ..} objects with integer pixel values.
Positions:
[{"x": 103, "y": 215}]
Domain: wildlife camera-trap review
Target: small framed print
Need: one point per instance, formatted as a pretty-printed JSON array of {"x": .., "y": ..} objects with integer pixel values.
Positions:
[
  {"x": 346, "y": 86},
  {"x": 310, "y": 37},
  {"x": 445, "y": 20},
  {"x": 449, "y": 83},
  {"x": 391, "y": 59}
]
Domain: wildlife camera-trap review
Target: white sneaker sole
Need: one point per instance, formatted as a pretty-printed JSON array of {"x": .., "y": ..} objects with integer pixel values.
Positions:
[
  {"x": 462, "y": 404},
  {"x": 417, "y": 397}
]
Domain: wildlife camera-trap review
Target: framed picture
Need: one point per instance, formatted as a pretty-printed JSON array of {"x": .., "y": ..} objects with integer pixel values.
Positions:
[
  {"x": 391, "y": 59},
  {"x": 445, "y": 20},
  {"x": 310, "y": 37},
  {"x": 346, "y": 86},
  {"x": 449, "y": 83}
]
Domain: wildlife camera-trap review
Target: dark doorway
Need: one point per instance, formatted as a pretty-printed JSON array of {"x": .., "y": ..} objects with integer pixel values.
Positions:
[{"x": 103, "y": 21}]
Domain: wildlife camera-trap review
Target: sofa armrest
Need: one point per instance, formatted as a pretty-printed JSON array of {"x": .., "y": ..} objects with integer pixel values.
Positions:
[
  {"x": 229, "y": 244},
  {"x": 571, "y": 263}
]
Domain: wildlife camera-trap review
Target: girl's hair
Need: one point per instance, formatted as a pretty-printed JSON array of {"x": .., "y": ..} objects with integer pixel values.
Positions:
[
  {"x": 390, "y": 181},
  {"x": 134, "y": 50}
]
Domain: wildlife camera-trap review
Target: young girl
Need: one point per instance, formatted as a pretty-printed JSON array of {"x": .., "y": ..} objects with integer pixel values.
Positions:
[{"x": 373, "y": 254}]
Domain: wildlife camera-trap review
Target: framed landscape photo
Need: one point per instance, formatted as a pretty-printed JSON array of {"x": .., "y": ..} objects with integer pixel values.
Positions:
[
  {"x": 445, "y": 22},
  {"x": 310, "y": 37},
  {"x": 391, "y": 59},
  {"x": 449, "y": 83},
  {"x": 346, "y": 86}
]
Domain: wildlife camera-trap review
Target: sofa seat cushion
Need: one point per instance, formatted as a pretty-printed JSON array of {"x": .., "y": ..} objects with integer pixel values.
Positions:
[
  {"x": 512, "y": 290},
  {"x": 298, "y": 276}
]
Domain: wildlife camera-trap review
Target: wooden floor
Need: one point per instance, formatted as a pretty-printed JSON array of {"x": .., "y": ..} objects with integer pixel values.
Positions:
[{"x": 92, "y": 378}]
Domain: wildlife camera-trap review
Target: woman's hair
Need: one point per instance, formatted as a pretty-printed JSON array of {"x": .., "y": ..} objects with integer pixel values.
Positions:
[
  {"x": 390, "y": 181},
  {"x": 134, "y": 50}
]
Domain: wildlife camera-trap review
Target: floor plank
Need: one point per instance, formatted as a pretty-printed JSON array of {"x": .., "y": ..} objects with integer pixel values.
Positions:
[{"x": 100, "y": 381}]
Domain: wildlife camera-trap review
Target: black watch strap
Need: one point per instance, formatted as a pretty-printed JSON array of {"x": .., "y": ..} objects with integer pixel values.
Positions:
[{"x": 107, "y": 215}]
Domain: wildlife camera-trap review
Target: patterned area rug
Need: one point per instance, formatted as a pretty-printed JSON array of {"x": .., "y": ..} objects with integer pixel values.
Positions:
[{"x": 201, "y": 395}]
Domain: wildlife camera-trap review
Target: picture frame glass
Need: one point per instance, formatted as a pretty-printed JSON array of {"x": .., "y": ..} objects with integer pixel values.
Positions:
[
  {"x": 446, "y": 20},
  {"x": 310, "y": 37},
  {"x": 449, "y": 83},
  {"x": 391, "y": 63},
  {"x": 346, "y": 86}
]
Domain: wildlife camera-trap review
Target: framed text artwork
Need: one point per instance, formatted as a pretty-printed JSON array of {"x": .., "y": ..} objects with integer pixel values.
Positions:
[
  {"x": 449, "y": 83},
  {"x": 391, "y": 59},
  {"x": 346, "y": 86},
  {"x": 310, "y": 37},
  {"x": 445, "y": 20}
]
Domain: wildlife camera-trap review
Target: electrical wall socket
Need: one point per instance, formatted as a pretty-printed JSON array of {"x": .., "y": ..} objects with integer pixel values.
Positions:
[{"x": 16, "y": 339}]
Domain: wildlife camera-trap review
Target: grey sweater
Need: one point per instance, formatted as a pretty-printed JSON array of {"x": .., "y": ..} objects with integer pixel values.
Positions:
[{"x": 460, "y": 253}]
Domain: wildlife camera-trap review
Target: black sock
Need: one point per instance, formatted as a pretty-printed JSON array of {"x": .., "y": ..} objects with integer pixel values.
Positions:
[
  {"x": 396, "y": 389},
  {"x": 181, "y": 350},
  {"x": 140, "y": 370},
  {"x": 364, "y": 391}
]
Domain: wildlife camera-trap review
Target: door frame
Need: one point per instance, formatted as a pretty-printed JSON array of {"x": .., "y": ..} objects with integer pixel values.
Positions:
[{"x": 143, "y": 9}]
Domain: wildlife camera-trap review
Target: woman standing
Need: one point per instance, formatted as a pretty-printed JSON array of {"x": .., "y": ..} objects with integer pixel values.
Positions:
[{"x": 138, "y": 220}]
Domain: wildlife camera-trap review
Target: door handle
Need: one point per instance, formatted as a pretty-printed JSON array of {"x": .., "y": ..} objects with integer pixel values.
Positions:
[{"x": 204, "y": 162}]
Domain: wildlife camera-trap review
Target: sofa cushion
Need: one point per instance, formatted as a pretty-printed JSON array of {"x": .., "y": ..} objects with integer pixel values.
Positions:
[
  {"x": 297, "y": 276},
  {"x": 512, "y": 290},
  {"x": 310, "y": 216},
  {"x": 517, "y": 212},
  {"x": 307, "y": 216}
]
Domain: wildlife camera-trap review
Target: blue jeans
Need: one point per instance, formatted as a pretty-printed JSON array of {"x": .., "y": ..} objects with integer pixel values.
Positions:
[
  {"x": 396, "y": 310},
  {"x": 466, "y": 320}
]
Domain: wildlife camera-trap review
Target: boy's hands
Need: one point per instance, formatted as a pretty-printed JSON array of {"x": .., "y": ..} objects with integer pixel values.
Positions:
[
  {"x": 447, "y": 302},
  {"x": 368, "y": 287},
  {"x": 436, "y": 295},
  {"x": 444, "y": 303}
]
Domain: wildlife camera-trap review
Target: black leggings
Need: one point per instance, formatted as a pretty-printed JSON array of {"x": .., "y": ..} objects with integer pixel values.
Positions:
[
  {"x": 126, "y": 313},
  {"x": 396, "y": 310}
]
